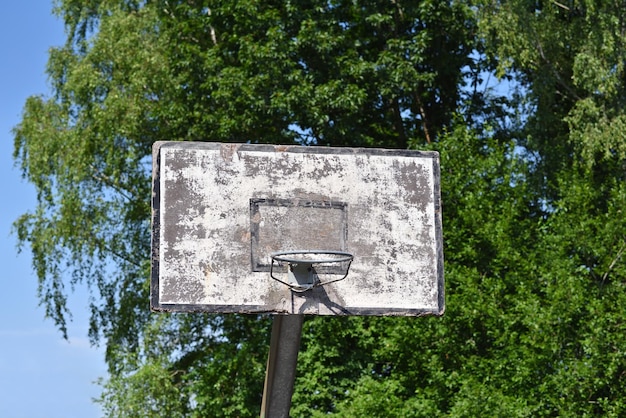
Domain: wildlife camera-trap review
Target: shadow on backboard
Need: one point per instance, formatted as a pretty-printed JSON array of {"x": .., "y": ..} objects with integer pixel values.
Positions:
[{"x": 317, "y": 299}]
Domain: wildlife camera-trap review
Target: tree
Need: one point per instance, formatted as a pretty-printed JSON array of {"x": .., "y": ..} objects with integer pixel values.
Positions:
[
  {"x": 131, "y": 73},
  {"x": 533, "y": 191}
]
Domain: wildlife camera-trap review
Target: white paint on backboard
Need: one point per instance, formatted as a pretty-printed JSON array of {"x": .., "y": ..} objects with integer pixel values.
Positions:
[{"x": 204, "y": 236}]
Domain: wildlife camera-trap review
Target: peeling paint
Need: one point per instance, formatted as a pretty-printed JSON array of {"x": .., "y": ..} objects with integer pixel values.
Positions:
[{"x": 383, "y": 206}]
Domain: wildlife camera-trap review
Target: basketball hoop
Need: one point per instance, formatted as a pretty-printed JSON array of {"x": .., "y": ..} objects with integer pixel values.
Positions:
[{"x": 305, "y": 266}]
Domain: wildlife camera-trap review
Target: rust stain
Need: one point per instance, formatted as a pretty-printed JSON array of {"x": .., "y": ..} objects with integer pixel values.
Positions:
[
  {"x": 208, "y": 271},
  {"x": 228, "y": 150}
]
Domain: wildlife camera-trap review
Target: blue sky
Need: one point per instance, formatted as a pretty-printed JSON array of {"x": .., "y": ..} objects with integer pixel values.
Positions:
[{"x": 41, "y": 374}]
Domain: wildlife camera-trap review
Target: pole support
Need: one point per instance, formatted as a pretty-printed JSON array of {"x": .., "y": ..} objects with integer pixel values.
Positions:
[{"x": 280, "y": 374}]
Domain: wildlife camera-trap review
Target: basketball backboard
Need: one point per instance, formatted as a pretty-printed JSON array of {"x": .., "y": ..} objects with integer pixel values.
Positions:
[{"x": 221, "y": 212}]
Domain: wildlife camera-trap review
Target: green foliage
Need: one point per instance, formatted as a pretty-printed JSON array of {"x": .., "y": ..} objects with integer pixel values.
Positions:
[
  {"x": 533, "y": 189},
  {"x": 132, "y": 73},
  {"x": 531, "y": 329},
  {"x": 190, "y": 365}
]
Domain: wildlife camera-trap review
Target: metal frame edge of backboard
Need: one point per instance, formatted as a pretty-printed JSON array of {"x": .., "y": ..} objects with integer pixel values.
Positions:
[{"x": 156, "y": 304}]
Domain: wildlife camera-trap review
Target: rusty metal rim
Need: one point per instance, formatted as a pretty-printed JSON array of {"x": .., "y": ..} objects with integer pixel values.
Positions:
[{"x": 285, "y": 256}]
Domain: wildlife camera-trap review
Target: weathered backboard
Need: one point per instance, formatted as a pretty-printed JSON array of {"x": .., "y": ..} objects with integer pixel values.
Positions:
[{"x": 220, "y": 210}]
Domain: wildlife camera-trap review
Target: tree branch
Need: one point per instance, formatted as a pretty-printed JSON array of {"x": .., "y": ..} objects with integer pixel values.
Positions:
[
  {"x": 614, "y": 262},
  {"x": 422, "y": 111},
  {"x": 555, "y": 73},
  {"x": 98, "y": 175}
]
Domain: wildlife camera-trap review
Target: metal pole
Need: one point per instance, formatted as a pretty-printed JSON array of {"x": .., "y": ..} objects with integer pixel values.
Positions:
[{"x": 280, "y": 374}]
